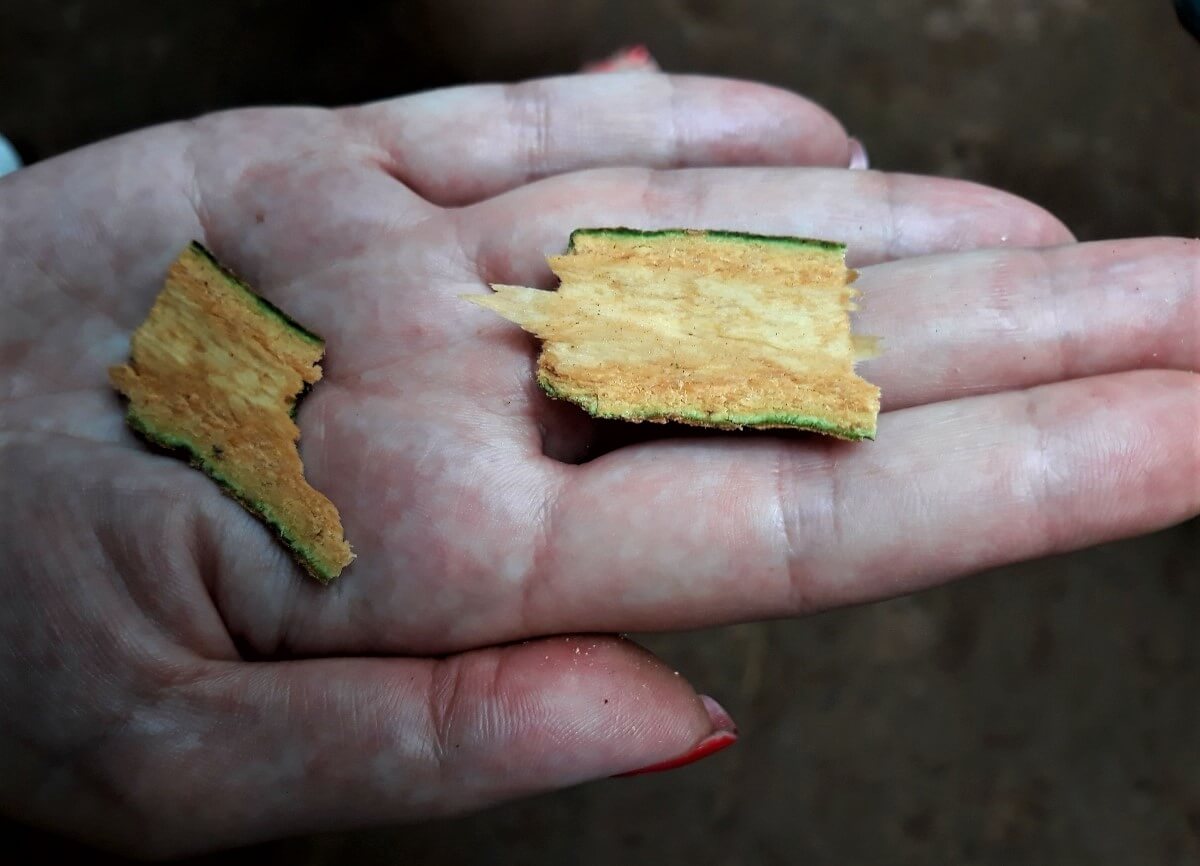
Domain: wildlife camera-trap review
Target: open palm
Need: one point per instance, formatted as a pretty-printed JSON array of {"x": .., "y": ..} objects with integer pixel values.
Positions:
[{"x": 172, "y": 682}]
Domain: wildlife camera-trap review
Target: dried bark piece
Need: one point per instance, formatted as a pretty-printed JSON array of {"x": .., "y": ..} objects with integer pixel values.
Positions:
[
  {"x": 215, "y": 375},
  {"x": 710, "y": 328}
]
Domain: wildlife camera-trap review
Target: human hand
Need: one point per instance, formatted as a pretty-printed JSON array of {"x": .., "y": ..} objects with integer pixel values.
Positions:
[{"x": 171, "y": 683}]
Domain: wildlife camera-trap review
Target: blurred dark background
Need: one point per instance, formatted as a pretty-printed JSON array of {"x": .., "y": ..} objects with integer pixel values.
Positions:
[{"x": 1045, "y": 713}]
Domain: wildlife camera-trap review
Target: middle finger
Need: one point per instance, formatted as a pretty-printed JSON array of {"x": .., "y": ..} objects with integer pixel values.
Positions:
[
  {"x": 881, "y": 217},
  {"x": 998, "y": 320}
]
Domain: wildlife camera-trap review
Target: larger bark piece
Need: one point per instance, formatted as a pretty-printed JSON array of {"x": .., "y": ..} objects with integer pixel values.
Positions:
[{"x": 710, "y": 328}]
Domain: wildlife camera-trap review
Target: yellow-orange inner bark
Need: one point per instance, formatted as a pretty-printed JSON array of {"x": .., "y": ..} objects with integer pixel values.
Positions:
[
  {"x": 703, "y": 329},
  {"x": 214, "y": 371}
]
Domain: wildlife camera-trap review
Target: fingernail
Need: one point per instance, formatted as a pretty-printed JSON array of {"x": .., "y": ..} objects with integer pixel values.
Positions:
[
  {"x": 721, "y": 720},
  {"x": 723, "y": 736},
  {"x": 636, "y": 58},
  {"x": 858, "y": 155},
  {"x": 9, "y": 161}
]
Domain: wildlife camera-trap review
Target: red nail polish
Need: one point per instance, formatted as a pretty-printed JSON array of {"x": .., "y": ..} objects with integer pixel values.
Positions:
[{"x": 710, "y": 745}]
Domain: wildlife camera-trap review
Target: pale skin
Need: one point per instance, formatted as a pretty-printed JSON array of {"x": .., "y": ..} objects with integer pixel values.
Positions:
[{"x": 170, "y": 682}]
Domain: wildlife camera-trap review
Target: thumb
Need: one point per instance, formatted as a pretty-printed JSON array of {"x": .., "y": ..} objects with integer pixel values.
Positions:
[{"x": 319, "y": 745}]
